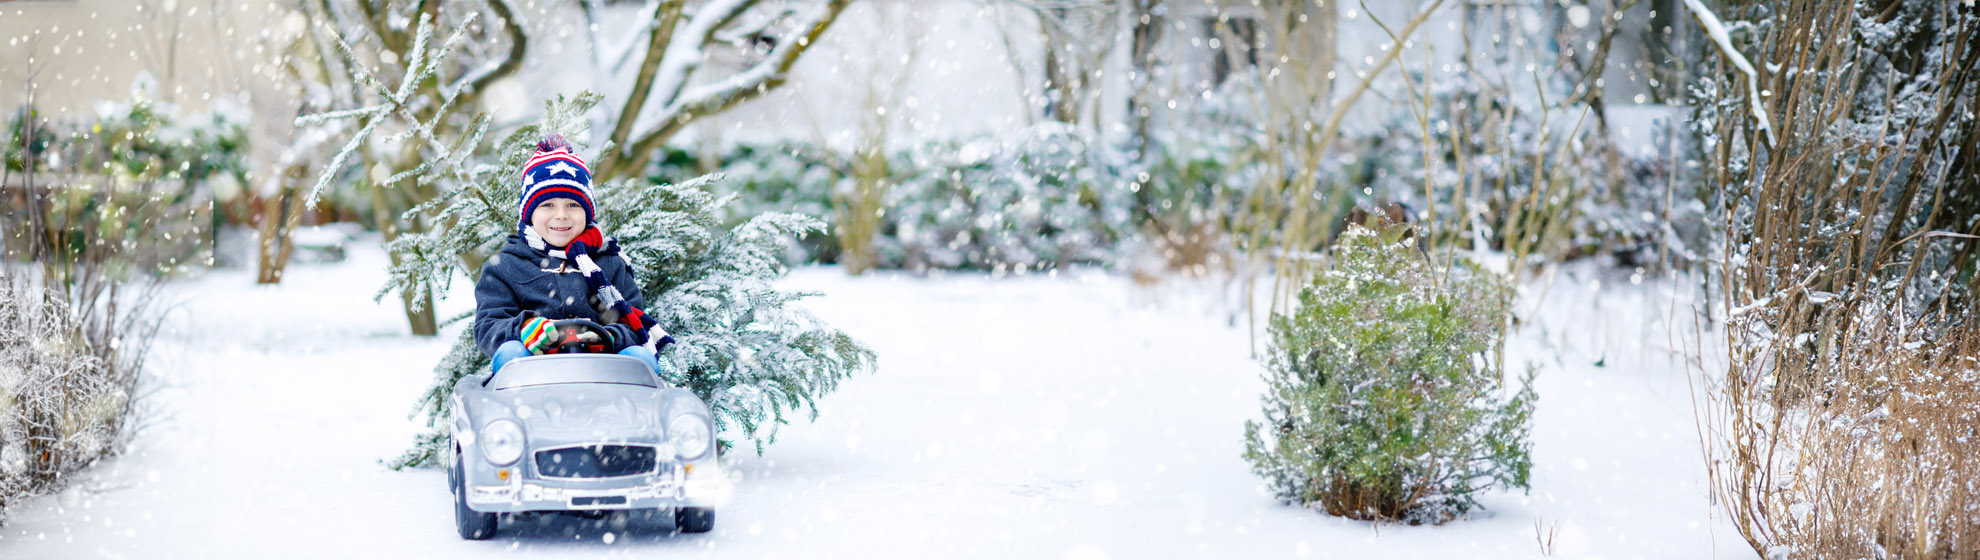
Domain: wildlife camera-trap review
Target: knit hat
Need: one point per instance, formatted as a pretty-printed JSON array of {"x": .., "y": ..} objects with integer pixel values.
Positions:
[{"x": 555, "y": 171}]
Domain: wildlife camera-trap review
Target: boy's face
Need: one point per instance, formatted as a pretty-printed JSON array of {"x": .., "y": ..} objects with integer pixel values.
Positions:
[{"x": 558, "y": 220}]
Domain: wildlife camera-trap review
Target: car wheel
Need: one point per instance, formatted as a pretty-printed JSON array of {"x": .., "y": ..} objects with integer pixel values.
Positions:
[
  {"x": 694, "y": 519},
  {"x": 472, "y": 524}
]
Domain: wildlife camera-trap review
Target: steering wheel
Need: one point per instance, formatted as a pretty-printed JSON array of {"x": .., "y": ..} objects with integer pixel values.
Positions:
[{"x": 571, "y": 327}]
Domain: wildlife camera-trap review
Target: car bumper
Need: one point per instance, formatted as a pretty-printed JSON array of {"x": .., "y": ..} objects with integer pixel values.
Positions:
[{"x": 644, "y": 492}]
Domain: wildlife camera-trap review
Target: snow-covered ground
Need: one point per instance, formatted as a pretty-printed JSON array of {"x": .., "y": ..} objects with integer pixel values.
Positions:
[{"x": 1071, "y": 416}]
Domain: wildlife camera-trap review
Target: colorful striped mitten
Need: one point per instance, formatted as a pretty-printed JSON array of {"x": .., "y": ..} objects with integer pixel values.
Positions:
[{"x": 540, "y": 334}]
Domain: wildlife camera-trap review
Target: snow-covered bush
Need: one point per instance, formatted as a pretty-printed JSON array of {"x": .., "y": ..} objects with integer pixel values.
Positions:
[
  {"x": 96, "y": 212},
  {"x": 139, "y": 171},
  {"x": 744, "y": 347},
  {"x": 1035, "y": 199},
  {"x": 63, "y": 405},
  {"x": 1194, "y": 187},
  {"x": 1043, "y": 198},
  {"x": 1383, "y": 399}
]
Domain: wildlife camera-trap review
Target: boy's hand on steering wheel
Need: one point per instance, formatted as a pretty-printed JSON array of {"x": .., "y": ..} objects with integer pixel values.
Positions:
[{"x": 540, "y": 334}]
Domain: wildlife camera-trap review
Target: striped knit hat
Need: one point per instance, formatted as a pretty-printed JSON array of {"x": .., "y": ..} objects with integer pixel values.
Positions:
[{"x": 555, "y": 171}]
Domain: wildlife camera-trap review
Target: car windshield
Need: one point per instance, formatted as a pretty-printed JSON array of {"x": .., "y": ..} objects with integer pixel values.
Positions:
[{"x": 580, "y": 368}]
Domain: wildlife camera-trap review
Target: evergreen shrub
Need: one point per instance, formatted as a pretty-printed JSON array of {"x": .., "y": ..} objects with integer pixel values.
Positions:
[{"x": 1384, "y": 398}]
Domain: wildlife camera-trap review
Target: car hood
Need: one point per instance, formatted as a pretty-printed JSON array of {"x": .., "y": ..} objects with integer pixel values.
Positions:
[{"x": 580, "y": 413}]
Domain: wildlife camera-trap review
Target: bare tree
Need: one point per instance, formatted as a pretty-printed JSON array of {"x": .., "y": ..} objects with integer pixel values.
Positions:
[
  {"x": 657, "y": 79},
  {"x": 859, "y": 205},
  {"x": 1146, "y": 18},
  {"x": 1077, "y": 37},
  {"x": 285, "y": 156}
]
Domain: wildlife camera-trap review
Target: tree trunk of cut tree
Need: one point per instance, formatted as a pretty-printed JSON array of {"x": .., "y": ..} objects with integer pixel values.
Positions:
[
  {"x": 862, "y": 210},
  {"x": 1146, "y": 18},
  {"x": 419, "y": 311},
  {"x": 422, "y": 322},
  {"x": 279, "y": 215}
]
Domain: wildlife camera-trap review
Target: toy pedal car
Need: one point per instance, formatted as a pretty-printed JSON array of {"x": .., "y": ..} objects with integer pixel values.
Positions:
[{"x": 578, "y": 431}]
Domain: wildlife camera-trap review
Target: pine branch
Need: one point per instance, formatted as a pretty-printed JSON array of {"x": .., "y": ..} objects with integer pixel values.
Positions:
[{"x": 421, "y": 65}]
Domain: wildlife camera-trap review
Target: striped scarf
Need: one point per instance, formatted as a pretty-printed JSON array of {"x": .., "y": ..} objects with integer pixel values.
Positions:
[{"x": 580, "y": 253}]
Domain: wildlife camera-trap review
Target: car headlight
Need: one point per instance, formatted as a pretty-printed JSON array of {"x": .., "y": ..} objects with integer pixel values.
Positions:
[
  {"x": 690, "y": 435},
  {"x": 502, "y": 442}
]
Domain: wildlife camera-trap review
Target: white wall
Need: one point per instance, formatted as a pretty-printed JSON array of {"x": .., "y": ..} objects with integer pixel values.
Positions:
[{"x": 84, "y": 50}]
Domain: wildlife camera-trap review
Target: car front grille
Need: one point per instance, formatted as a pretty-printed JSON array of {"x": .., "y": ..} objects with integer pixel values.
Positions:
[{"x": 595, "y": 461}]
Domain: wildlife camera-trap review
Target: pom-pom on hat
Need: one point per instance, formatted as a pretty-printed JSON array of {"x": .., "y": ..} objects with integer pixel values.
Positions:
[{"x": 556, "y": 171}]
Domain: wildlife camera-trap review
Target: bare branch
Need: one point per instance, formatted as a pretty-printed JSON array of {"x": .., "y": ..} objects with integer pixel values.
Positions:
[
  {"x": 376, "y": 19},
  {"x": 518, "y": 44},
  {"x": 758, "y": 80},
  {"x": 668, "y": 15},
  {"x": 684, "y": 54}
]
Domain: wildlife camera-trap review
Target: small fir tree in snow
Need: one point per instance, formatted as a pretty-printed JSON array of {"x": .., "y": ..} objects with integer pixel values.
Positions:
[
  {"x": 1382, "y": 400},
  {"x": 743, "y": 347}
]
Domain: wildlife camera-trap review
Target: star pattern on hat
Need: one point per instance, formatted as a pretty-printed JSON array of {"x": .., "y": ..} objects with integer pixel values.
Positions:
[{"x": 562, "y": 168}]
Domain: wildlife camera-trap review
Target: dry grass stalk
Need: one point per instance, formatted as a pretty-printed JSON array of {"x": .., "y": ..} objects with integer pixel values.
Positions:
[
  {"x": 79, "y": 290},
  {"x": 1886, "y": 463},
  {"x": 1844, "y": 425},
  {"x": 68, "y": 385}
]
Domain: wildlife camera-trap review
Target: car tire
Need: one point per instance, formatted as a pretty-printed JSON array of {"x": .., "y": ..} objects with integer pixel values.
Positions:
[
  {"x": 473, "y": 525},
  {"x": 694, "y": 519}
]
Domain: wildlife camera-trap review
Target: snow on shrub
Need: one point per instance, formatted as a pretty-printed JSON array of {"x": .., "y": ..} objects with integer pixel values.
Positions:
[
  {"x": 787, "y": 177},
  {"x": 100, "y": 210},
  {"x": 66, "y": 384},
  {"x": 1383, "y": 399},
  {"x": 1040, "y": 198},
  {"x": 1840, "y": 421}
]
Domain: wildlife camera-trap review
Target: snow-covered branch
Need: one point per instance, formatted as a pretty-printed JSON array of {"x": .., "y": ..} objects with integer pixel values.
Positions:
[
  {"x": 608, "y": 55},
  {"x": 686, "y": 51},
  {"x": 711, "y": 98},
  {"x": 1717, "y": 31},
  {"x": 422, "y": 63},
  {"x": 666, "y": 16},
  {"x": 474, "y": 82}
]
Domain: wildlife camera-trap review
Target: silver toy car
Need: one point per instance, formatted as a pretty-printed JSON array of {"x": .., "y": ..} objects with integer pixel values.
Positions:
[{"x": 579, "y": 432}]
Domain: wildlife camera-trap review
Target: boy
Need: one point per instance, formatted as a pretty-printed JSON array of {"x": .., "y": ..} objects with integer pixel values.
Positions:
[{"x": 559, "y": 265}]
